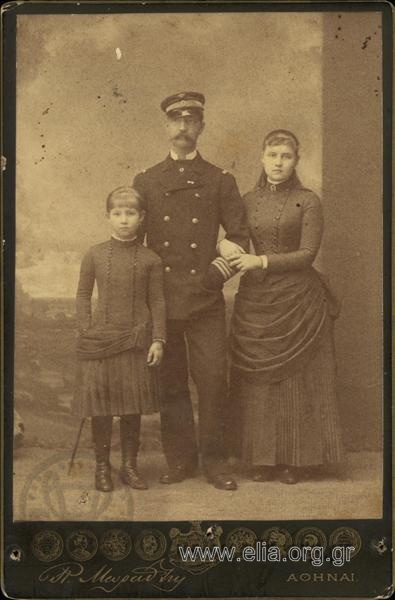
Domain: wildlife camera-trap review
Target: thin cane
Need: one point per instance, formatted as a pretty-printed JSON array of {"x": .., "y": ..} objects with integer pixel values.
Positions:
[{"x": 76, "y": 446}]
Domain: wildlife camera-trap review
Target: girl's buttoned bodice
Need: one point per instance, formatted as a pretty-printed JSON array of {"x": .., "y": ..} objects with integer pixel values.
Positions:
[{"x": 129, "y": 281}]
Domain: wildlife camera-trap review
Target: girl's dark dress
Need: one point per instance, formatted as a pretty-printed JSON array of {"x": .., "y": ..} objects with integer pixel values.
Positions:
[
  {"x": 112, "y": 373},
  {"x": 283, "y": 362}
]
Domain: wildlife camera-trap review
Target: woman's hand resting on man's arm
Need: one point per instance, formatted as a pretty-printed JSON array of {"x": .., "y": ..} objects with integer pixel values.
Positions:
[{"x": 248, "y": 262}]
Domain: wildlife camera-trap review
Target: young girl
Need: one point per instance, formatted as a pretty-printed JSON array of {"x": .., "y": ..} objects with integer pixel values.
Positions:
[{"x": 120, "y": 346}]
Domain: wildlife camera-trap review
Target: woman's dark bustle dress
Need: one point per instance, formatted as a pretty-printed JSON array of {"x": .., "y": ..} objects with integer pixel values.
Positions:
[
  {"x": 113, "y": 377},
  {"x": 283, "y": 361}
]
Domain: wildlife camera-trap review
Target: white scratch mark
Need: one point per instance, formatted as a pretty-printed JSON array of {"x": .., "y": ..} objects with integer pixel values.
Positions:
[{"x": 118, "y": 53}]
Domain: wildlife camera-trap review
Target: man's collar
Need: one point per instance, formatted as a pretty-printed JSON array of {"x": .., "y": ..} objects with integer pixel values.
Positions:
[
  {"x": 197, "y": 165},
  {"x": 189, "y": 156}
]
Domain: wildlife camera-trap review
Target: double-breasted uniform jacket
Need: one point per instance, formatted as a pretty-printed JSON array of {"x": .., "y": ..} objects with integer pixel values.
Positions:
[{"x": 186, "y": 202}]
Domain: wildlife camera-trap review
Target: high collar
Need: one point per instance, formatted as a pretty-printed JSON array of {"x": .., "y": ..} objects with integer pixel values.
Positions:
[
  {"x": 189, "y": 156},
  {"x": 118, "y": 242},
  {"x": 278, "y": 187},
  {"x": 196, "y": 165},
  {"x": 292, "y": 182}
]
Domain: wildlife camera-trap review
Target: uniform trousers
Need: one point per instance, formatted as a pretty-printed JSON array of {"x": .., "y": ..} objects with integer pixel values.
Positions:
[{"x": 201, "y": 342}]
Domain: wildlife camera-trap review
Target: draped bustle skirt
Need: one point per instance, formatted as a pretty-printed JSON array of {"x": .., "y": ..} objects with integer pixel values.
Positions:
[{"x": 284, "y": 371}]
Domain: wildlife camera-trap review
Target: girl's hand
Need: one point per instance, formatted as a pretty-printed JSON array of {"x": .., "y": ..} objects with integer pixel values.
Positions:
[
  {"x": 246, "y": 262},
  {"x": 229, "y": 249},
  {"x": 155, "y": 354}
]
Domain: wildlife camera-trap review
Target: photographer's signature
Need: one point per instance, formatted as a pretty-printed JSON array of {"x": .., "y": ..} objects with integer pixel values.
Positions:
[{"x": 156, "y": 574}]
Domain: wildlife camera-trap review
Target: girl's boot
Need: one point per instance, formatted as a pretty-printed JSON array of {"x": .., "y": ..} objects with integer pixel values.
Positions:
[
  {"x": 130, "y": 440},
  {"x": 101, "y": 434}
]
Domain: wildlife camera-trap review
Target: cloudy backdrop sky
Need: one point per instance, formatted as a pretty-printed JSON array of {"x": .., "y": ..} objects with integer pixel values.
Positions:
[{"x": 88, "y": 115}]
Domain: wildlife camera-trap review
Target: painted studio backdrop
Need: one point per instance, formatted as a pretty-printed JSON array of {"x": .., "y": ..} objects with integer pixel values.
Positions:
[{"x": 88, "y": 119}]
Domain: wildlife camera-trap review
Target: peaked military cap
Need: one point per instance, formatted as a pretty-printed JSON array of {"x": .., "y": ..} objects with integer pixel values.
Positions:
[{"x": 183, "y": 103}]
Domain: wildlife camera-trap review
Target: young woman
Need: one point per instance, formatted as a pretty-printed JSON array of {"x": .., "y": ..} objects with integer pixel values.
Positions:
[
  {"x": 283, "y": 363},
  {"x": 120, "y": 346}
]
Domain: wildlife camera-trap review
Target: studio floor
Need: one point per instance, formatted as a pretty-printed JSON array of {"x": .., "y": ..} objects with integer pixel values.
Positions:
[{"x": 43, "y": 489}]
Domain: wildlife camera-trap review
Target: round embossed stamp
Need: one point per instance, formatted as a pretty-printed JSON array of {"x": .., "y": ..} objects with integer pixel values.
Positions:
[
  {"x": 115, "y": 544},
  {"x": 51, "y": 492},
  {"x": 278, "y": 537},
  {"x": 150, "y": 544},
  {"x": 346, "y": 536},
  {"x": 47, "y": 545},
  {"x": 310, "y": 537},
  {"x": 82, "y": 545},
  {"x": 240, "y": 538}
]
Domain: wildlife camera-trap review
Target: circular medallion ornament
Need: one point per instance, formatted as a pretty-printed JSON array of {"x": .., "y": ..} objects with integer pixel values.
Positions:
[
  {"x": 346, "y": 536},
  {"x": 310, "y": 536},
  {"x": 82, "y": 545},
  {"x": 279, "y": 537},
  {"x": 240, "y": 538},
  {"x": 115, "y": 544},
  {"x": 47, "y": 545},
  {"x": 150, "y": 544}
]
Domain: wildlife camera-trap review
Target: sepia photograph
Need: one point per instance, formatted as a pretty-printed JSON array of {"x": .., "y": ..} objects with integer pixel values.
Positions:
[{"x": 198, "y": 267}]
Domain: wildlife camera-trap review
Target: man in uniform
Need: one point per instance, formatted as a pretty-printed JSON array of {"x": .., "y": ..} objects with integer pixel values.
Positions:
[{"x": 187, "y": 199}]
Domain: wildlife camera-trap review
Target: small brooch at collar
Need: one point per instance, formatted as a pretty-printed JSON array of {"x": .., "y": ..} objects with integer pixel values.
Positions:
[{"x": 273, "y": 187}]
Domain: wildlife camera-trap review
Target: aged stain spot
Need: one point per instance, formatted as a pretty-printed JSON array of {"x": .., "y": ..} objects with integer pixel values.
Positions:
[
  {"x": 366, "y": 41},
  {"x": 45, "y": 112},
  {"x": 339, "y": 28},
  {"x": 98, "y": 97},
  {"x": 116, "y": 92},
  {"x": 298, "y": 205},
  {"x": 42, "y": 145}
]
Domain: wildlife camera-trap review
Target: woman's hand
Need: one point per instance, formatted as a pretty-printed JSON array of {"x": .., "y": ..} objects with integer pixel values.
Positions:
[
  {"x": 246, "y": 262},
  {"x": 229, "y": 249},
  {"x": 155, "y": 354}
]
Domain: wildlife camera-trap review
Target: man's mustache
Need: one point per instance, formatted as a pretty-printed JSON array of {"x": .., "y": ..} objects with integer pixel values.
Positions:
[{"x": 182, "y": 136}]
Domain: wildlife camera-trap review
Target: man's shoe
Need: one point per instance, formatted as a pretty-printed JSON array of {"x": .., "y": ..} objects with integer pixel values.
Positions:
[
  {"x": 175, "y": 475},
  {"x": 222, "y": 482},
  {"x": 290, "y": 475},
  {"x": 260, "y": 474}
]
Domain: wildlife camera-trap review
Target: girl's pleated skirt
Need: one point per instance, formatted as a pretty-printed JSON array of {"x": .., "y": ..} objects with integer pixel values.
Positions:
[{"x": 121, "y": 384}]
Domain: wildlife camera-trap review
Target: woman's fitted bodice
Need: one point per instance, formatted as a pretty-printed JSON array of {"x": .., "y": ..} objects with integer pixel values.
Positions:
[{"x": 286, "y": 224}]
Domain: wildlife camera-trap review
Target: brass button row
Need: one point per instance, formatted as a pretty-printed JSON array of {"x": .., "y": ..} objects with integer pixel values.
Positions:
[
  {"x": 192, "y": 271},
  {"x": 197, "y": 195},
  {"x": 193, "y": 245},
  {"x": 195, "y": 220}
]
